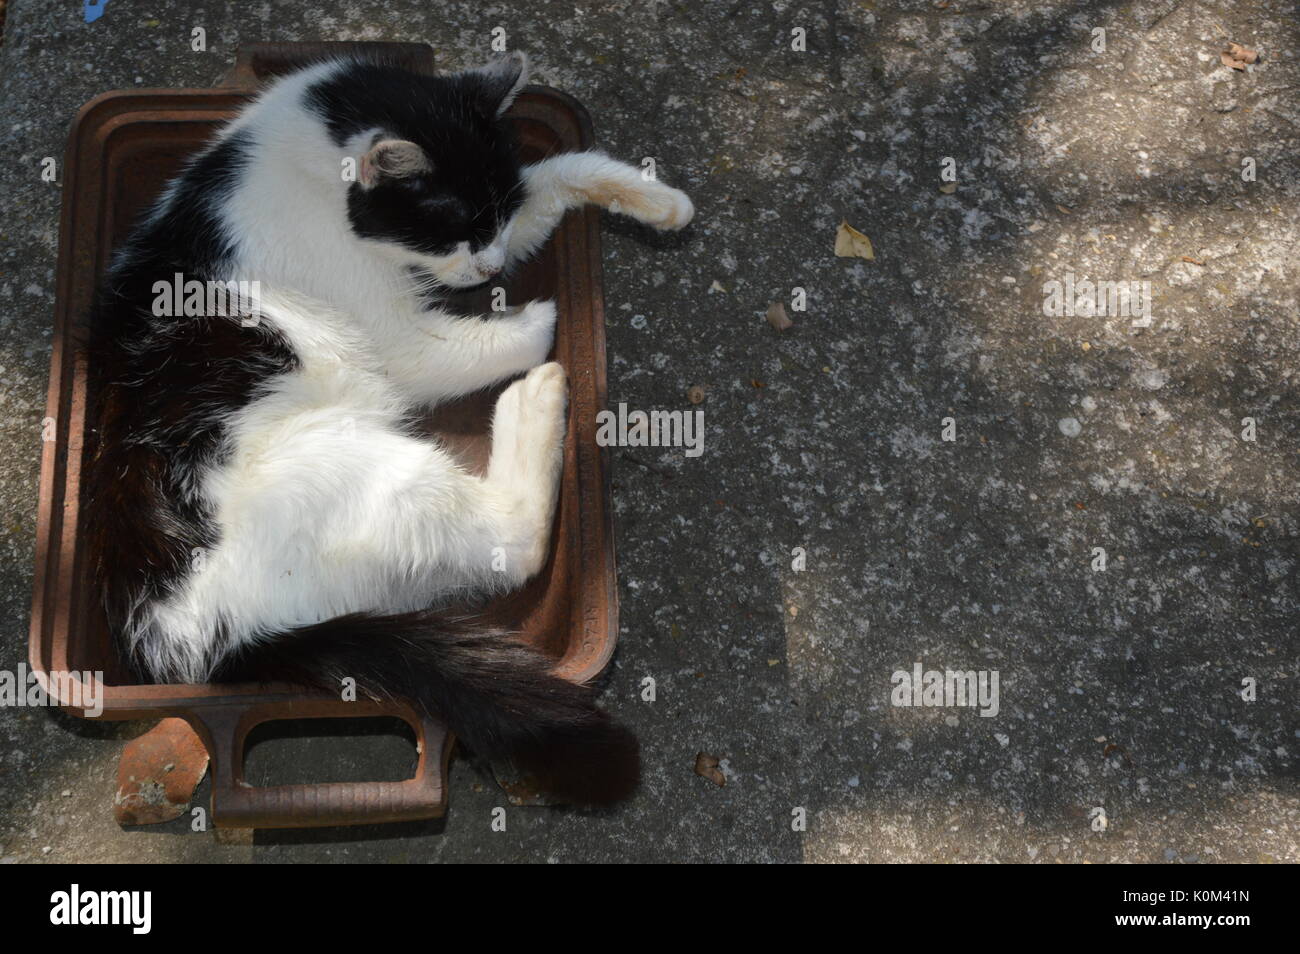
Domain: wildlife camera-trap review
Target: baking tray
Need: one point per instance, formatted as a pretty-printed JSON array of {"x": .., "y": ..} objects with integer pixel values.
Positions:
[{"x": 122, "y": 147}]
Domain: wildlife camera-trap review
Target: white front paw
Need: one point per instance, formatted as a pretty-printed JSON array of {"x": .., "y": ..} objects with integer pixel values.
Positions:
[
  {"x": 540, "y": 313},
  {"x": 539, "y": 324}
]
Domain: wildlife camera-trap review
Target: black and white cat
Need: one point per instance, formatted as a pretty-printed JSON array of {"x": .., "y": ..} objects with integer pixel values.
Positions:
[{"x": 259, "y": 506}]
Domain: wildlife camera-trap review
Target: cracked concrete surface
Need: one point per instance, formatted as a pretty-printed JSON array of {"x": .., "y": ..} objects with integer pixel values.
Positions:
[{"x": 1120, "y": 689}]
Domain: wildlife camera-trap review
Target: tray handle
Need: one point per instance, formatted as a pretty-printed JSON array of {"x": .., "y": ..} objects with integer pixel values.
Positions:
[
  {"x": 236, "y": 804},
  {"x": 257, "y": 62}
]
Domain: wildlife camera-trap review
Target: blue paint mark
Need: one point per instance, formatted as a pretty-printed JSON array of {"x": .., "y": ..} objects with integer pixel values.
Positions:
[{"x": 93, "y": 9}]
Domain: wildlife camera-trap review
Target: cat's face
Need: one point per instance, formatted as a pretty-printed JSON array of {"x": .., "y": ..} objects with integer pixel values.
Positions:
[{"x": 444, "y": 188}]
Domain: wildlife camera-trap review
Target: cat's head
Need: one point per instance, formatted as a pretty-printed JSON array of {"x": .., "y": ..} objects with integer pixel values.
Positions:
[{"x": 440, "y": 181}]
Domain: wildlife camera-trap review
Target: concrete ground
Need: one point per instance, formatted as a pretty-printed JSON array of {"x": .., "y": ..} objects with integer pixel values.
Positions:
[{"x": 1120, "y": 689}]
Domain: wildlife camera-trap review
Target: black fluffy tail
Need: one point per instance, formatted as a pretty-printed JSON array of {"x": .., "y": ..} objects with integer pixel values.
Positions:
[{"x": 499, "y": 696}]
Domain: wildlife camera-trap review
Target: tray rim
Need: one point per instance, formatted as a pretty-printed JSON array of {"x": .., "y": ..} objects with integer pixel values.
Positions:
[{"x": 132, "y": 701}]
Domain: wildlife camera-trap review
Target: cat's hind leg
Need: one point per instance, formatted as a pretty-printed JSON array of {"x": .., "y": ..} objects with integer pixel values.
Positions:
[
  {"x": 493, "y": 533},
  {"x": 324, "y": 511},
  {"x": 528, "y": 453}
]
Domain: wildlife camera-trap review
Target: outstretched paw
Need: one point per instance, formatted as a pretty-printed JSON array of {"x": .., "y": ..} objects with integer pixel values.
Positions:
[{"x": 657, "y": 205}]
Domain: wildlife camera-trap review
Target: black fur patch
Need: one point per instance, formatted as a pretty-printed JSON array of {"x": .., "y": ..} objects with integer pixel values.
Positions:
[
  {"x": 473, "y": 186},
  {"x": 162, "y": 386}
]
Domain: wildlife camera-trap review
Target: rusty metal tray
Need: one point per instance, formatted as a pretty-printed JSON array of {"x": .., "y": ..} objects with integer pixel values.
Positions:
[{"x": 122, "y": 147}]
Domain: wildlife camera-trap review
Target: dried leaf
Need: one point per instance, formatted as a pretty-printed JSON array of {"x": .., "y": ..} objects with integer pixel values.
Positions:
[
  {"x": 777, "y": 318},
  {"x": 706, "y": 766},
  {"x": 1238, "y": 57},
  {"x": 849, "y": 242},
  {"x": 158, "y": 773}
]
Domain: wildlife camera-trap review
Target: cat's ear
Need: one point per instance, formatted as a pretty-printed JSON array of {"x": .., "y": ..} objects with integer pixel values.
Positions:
[
  {"x": 392, "y": 159},
  {"x": 495, "y": 85}
]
